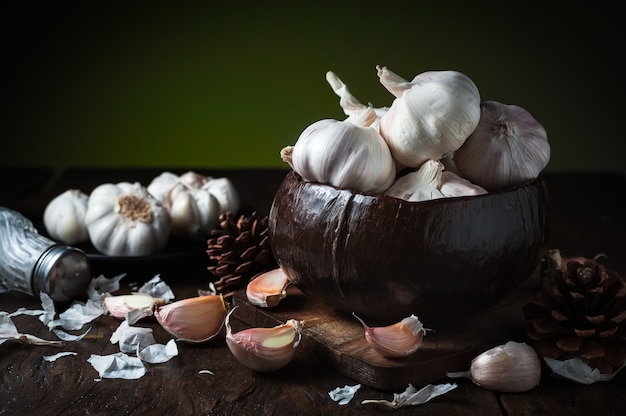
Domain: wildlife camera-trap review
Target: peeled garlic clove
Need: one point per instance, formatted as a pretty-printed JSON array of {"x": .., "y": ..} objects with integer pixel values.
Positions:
[
  {"x": 194, "y": 319},
  {"x": 431, "y": 116},
  {"x": 64, "y": 217},
  {"x": 267, "y": 289},
  {"x": 225, "y": 193},
  {"x": 264, "y": 349},
  {"x": 509, "y": 368},
  {"x": 453, "y": 185},
  {"x": 419, "y": 185},
  {"x": 398, "y": 340},
  {"x": 122, "y": 305},
  {"x": 508, "y": 147}
]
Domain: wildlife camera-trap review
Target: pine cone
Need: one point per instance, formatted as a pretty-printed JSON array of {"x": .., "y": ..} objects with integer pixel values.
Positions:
[
  {"x": 580, "y": 312},
  {"x": 240, "y": 250}
]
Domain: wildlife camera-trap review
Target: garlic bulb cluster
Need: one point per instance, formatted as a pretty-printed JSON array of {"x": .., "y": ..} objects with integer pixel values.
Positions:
[
  {"x": 509, "y": 368},
  {"x": 508, "y": 147},
  {"x": 128, "y": 219},
  {"x": 438, "y": 116},
  {"x": 64, "y": 217}
]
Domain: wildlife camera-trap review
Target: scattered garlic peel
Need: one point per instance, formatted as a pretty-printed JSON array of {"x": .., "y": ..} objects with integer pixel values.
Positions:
[
  {"x": 411, "y": 396},
  {"x": 118, "y": 365},
  {"x": 577, "y": 370},
  {"x": 343, "y": 395}
]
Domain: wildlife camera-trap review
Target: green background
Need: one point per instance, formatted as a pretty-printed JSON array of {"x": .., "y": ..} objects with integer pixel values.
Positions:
[{"x": 214, "y": 85}]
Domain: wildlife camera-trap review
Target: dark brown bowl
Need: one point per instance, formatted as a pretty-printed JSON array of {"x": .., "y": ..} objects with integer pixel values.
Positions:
[{"x": 385, "y": 258}]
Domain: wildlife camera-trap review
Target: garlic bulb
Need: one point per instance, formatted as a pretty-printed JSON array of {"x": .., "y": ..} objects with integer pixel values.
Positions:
[
  {"x": 432, "y": 115},
  {"x": 264, "y": 349},
  {"x": 64, "y": 217},
  {"x": 194, "y": 201},
  {"x": 508, "y": 147},
  {"x": 123, "y": 219},
  {"x": 509, "y": 368},
  {"x": 196, "y": 319},
  {"x": 419, "y": 185},
  {"x": 348, "y": 154},
  {"x": 267, "y": 289},
  {"x": 193, "y": 211},
  {"x": 398, "y": 340}
]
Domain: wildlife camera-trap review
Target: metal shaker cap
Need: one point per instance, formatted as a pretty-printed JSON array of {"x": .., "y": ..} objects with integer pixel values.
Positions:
[{"x": 62, "y": 272}]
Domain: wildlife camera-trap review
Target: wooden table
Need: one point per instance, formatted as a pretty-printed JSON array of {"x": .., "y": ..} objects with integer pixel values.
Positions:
[{"x": 587, "y": 219}]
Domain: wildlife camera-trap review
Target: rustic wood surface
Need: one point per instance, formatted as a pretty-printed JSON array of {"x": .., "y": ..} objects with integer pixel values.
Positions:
[{"x": 587, "y": 219}]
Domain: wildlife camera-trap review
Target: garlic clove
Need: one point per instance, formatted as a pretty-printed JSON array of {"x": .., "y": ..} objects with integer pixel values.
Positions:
[
  {"x": 161, "y": 185},
  {"x": 64, "y": 217},
  {"x": 509, "y": 368},
  {"x": 264, "y": 349},
  {"x": 122, "y": 305},
  {"x": 419, "y": 185},
  {"x": 267, "y": 289},
  {"x": 195, "y": 319},
  {"x": 398, "y": 340},
  {"x": 508, "y": 147}
]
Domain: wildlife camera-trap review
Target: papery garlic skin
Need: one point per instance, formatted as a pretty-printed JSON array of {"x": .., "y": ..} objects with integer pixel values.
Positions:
[
  {"x": 264, "y": 349},
  {"x": 197, "y": 319},
  {"x": 64, "y": 217},
  {"x": 267, "y": 289},
  {"x": 347, "y": 154},
  {"x": 124, "y": 219},
  {"x": 509, "y": 368},
  {"x": 508, "y": 147},
  {"x": 398, "y": 340},
  {"x": 432, "y": 115},
  {"x": 452, "y": 185}
]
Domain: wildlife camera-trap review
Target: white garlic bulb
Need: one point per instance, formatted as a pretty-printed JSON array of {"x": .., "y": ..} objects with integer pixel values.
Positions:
[
  {"x": 419, "y": 185},
  {"x": 124, "y": 219},
  {"x": 508, "y": 147},
  {"x": 64, "y": 217},
  {"x": 225, "y": 193},
  {"x": 349, "y": 154},
  {"x": 432, "y": 115}
]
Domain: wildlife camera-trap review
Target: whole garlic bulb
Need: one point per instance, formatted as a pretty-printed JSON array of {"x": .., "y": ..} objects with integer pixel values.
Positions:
[
  {"x": 432, "y": 115},
  {"x": 349, "y": 154},
  {"x": 64, "y": 217},
  {"x": 124, "y": 219},
  {"x": 508, "y": 147}
]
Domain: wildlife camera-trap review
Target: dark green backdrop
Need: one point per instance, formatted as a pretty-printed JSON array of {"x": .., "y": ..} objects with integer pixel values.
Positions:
[{"x": 205, "y": 84}]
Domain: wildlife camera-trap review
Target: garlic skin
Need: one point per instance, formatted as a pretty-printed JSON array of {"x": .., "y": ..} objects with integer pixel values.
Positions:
[
  {"x": 398, "y": 340},
  {"x": 507, "y": 148},
  {"x": 267, "y": 289},
  {"x": 195, "y": 319},
  {"x": 432, "y": 115},
  {"x": 64, "y": 217},
  {"x": 264, "y": 349},
  {"x": 349, "y": 154},
  {"x": 509, "y": 368}
]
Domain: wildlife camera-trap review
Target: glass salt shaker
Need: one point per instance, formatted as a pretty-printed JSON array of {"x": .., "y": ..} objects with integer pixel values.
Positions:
[{"x": 31, "y": 263}]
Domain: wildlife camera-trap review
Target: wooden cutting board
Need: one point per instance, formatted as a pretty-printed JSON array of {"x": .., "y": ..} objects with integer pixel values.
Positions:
[{"x": 337, "y": 340}]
